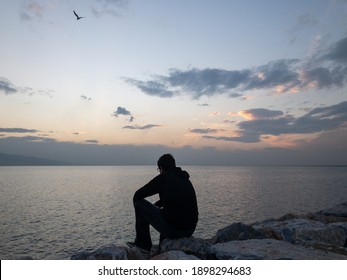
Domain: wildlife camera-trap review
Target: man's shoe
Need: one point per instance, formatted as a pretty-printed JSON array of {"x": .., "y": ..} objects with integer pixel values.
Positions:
[{"x": 142, "y": 250}]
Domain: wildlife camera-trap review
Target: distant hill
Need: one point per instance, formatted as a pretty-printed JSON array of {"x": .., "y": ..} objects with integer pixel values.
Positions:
[{"x": 18, "y": 160}]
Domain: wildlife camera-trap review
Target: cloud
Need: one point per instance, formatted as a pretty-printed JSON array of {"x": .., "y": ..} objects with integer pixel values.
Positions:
[
  {"x": 154, "y": 88},
  {"x": 92, "y": 141},
  {"x": 324, "y": 70},
  {"x": 322, "y": 77},
  {"x": 32, "y": 10},
  {"x": 86, "y": 98},
  {"x": 269, "y": 122},
  {"x": 213, "y": 114},
  {"x": 7, "y": 87},
  {"x": 303, "y": 21},
  {"x": 109, "y": 7},
  {"x": 205, "y": 130},
  {"x": 337, "y": 52},
  {"x": 262, "y": 122},
  {"x": 235, "y": 95},
  {"x": 206, "y": 81},
  {"x": 321, "y": 119},
  {"x": 244, "y": 137},
  {"x": 124, "y": 112},
  {"x": 18, "y": 130},
  {"x": 145, "y": 127},
  {"x": 32, "y": 139},
  {"x": 279, "y": 73},
  {"x": 260, "y": 113},
  {"x": 330, "y": 146},
  {"x": 229, "y": 121}
]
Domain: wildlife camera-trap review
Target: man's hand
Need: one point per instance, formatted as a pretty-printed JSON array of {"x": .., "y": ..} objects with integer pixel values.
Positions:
[{"x": 159, "y": 204}]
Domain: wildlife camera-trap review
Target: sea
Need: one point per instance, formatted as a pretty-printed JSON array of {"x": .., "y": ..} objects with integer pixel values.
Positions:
[{"x": 58, "y": 211}]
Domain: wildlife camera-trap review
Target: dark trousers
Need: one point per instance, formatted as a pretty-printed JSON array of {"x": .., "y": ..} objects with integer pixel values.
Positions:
[{"x": 147, "y": 214}]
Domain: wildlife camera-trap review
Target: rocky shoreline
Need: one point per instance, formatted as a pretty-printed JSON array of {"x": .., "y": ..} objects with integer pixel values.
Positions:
[{"x": 314, "y": 236}]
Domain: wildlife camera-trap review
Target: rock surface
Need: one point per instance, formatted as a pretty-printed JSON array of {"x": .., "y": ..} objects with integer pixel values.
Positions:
[
  {"x": 269, "y": 249},
  {"x": 313, "y": 236}
]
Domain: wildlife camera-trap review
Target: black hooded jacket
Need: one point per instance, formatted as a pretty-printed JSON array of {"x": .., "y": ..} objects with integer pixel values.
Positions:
[{"x": 177, "y": 197}]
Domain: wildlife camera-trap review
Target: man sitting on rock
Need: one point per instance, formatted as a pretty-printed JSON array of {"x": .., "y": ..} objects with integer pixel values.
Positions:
[{"x": 175, "y": 215}]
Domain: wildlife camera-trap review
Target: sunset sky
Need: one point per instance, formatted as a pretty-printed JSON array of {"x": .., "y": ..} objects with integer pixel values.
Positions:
[{"x": 213, "y": 82}]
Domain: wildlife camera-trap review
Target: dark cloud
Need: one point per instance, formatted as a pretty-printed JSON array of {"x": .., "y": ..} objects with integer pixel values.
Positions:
[
  {"x": 144, "y": 127},
  {"x": 205, "y": 130},
  {"x": 206, "y": 81},
  {"x": 317, "y": 120},
  {"x": 210, "y": 82},
  {"x": 329, "y": 69},
  {"x": 154, "y": 88},
  {"x": 18, "y": 130},
  {"x": 261, "y": 113},
  {"x": 229, "y": 121},
  {"x": 276, "y": 73},
  {"x": 34, "y": 139},
  {"x": 7, "y": 87},
  {"x": 321, "y": 119},
  {"x": 275, "y": 123},
  {"x": 124, "y": 112},
  {"x": 268, "y": 126},
  {"x": 338, "y": 52},
  {"x": 328, "y": 148},
  {"x": 323, "y": 77},
  {"x": 235, "y": 95},
  {"x": 92, "y": 141},
  {"x": 281, "y": 76},
  {"x": 86, "y": 98},
  {"x": 244, "y": 137}
]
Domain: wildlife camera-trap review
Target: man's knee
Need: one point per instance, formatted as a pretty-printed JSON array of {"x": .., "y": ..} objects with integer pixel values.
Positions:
[{"x": 143, "y": 204}]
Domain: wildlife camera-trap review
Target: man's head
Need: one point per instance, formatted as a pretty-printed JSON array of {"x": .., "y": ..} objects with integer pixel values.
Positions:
[{"x": 165, "y": 162}]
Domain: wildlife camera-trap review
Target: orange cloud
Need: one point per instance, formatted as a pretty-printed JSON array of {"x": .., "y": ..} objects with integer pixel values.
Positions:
[
  {"x": 214, "y": 114},
  {"x": 232, "y": 114},
  {"x": 291, "y": 141},
  {"x": 246, "y": 114}
]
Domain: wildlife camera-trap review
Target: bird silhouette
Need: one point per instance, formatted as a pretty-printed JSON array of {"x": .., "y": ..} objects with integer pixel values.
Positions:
[{"x": 77, "y": 16}]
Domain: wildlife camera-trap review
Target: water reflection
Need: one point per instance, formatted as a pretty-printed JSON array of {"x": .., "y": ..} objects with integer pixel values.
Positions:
[{"x": 53, "y": 212}]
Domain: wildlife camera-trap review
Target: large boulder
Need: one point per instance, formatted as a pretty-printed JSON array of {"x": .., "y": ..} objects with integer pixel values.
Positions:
[
  {"x": 269, "y": 249},
  {"x": 191, "y": 246},
  {"x": 174, "y": 255},
  {"x": 336, "y": 211},
  {"x": 111, "y": 252},
  {"x": 335, "y": 214},
  {"x": 314, "y": 236},
  {"x": 297, "y": 231},
  {"x": 237, "y": 231}
]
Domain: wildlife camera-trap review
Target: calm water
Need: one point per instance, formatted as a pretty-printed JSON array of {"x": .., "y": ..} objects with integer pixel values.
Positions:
[{"x": 54, "y": 212}]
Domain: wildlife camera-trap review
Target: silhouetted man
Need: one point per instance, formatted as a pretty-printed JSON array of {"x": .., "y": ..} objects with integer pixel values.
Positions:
[{"x": 175, "y": 215}]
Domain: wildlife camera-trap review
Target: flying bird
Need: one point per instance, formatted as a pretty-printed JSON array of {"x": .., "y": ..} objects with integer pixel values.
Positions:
[{"x": 77, "y": 16}]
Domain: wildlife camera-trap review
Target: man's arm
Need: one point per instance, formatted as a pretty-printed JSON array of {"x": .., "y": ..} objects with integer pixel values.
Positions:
[
  {"x": 159, "y": 203},
  {"x": 149, "y": 189}
]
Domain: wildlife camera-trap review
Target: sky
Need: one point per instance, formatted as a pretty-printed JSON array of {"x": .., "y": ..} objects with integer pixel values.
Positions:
[{"x": 212, "y": 82}]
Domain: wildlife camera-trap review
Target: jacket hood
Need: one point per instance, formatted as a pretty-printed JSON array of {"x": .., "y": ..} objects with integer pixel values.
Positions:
[{"x": 180, "y": 173}]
